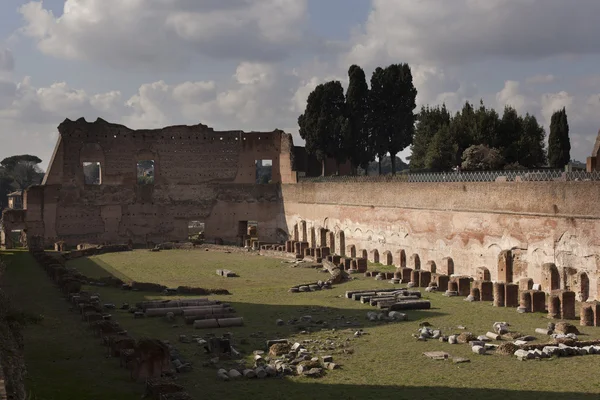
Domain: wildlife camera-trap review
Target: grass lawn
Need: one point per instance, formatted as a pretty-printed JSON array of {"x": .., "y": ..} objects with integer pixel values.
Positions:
[{"x": 66, "y": 362}]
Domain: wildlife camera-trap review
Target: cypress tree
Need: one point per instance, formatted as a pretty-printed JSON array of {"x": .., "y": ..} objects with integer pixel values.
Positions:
[
  {"x": 356, "y": 130},
  {"x": 559, "y": 144}
]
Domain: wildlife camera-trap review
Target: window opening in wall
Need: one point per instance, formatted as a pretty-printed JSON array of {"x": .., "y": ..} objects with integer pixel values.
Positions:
[
  {"x": 145, "y": 172},
  {"x": 17, "y": 238},
  {"x": 196, "y": 232},
  {"x": 264, "y": 171},
  {"x": 92, "y": 173}
]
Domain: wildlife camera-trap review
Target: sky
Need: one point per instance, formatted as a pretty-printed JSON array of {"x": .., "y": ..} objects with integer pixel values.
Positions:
[{"x": 251, "y": 64}]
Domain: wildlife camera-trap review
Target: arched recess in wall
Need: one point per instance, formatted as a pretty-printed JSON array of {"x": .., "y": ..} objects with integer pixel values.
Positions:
[
  {"x": 483, "y": 274},
  {"x": 583, "y": 289},
  {"x": 401, "y": 259},
  {"x": 351, "y": 249},
  {"x": 295, "y": 235},
  {"x": 312, "y": 239},
  {"x": 431, "y": 267},
  {"x": 388, "y": 259},
  {"x": 550, "y": 277},
  {"x": 374, "y": 256},
  {"x": 322, "y": 237},
  {"x": 447, "y": 267},
  {"x": 331, "y": 242},
  {"x": 414, "y": 262},
  {"x": 303, "y": 232},
  {"x": 364, "y": 254},
  {"x": 341, "y": 242}
]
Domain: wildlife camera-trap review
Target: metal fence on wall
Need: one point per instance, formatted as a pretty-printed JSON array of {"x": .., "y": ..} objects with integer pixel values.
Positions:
[{"x": 468, "y": 176}]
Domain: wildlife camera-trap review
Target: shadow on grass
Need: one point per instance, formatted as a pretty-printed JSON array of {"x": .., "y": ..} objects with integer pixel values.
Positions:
[{"x": 95, "y": 268}]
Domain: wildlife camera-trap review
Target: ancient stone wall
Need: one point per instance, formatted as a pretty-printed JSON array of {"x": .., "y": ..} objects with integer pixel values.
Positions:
[
  {"x": 472, "y": 223},
  {"x": 199, "y": 175}
]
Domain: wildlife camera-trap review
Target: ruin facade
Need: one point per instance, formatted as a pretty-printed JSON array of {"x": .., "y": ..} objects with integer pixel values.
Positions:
[{"x": 503, "y": 231}]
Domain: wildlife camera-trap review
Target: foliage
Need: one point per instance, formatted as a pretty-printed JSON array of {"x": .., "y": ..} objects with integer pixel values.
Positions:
[
  {"x": 145, "y": 180},
  {"x": 392, "y": 102},
  {"x": 323, "y": 121},
  {"x": 91, "y": 173},
  {"x": 481, "y": 157},
  {"x": 430, "y": 120},
  {"x": 518, "y": 139},
  {"x": 386, "y": 166},
  {"x": 18, "y": 173},
  {"x": 356, "y": 134},
  {"x": 559, "y": 144},
  {"x": 441, "y": 151},
  {"x": 264, "y": 173}
]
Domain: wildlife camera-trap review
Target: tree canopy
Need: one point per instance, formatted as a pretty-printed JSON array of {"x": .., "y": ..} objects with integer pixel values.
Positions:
[
  {"x": 18, "y": 173},
  {"x": 518, "y": 140},
  {"x": 559, "y": 144}
]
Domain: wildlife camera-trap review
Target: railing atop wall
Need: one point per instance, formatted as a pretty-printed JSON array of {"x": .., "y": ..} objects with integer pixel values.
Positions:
[{"x": 468, "y": 176}]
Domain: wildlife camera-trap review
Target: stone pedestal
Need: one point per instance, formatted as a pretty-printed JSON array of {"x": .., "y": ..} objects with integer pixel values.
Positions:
[
  {"x": 453, "y": 286},
  {"x": 325, "y": 251},
  {"x": 586, "y": 317},
  {"x": 511, "y": 296},
  {"x": 318, "y": 253},
  {"x": 442, "y": 282},
  {"x": 525, "y": 284},
  {"x": 499, "y": 293},
  {"x": 476, "y": 294},
  {"x": 464, "y": 285},
  {"x": 406, "y": 275},
  {"x": 567, "y": 303},
  {"x": 525, "y": 300},
  {"x": 553, "y": 306},
  {"x": 424, "y": 278},
  {"x": 398, "y": 274},
  {"x": 486, "y": 288},
  {"x": 361, "y": 264},
  {"x": 538, "y": 301},
  {"x": 414, "y": 277}
]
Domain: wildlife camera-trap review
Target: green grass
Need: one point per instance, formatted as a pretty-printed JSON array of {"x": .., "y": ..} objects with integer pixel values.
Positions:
[{"x": 66, "y": 362}]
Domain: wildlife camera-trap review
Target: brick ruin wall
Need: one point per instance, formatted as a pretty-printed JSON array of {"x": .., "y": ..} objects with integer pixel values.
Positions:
[
  {"x": 209, "y": 176},
  {"x": 472, "y": 223},
  {"x": 199, "y": 175}
]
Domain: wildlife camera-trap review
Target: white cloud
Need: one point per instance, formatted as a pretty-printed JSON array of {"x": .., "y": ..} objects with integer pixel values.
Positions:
[
  {"x": 7, "y": 62},
  {"x": 166, "y": 33},
  {"x": 463, "y": 31}
]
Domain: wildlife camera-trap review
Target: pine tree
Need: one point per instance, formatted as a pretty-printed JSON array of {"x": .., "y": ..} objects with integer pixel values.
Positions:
[
  {"x": 429, "y": 121},
  {"x": 532, "y": 149},
  {"x": 559, "y": 144}
]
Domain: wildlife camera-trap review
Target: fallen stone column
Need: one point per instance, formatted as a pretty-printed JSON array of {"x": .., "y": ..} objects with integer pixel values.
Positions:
[
  {"x": 161, "y": 312},
  {"x": 411, "y": 305}
]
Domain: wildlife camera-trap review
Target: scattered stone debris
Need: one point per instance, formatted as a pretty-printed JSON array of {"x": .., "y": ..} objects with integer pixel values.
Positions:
[
  {"x": 437, "y": 355},
  {"x": 226, "y": 273},
  {"x": 312, "y": 287},
  {"x": 390, "y": 299}
]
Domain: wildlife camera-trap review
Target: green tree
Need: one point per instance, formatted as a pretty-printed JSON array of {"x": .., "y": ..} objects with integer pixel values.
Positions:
[
  {"x": 462, "y": 130},
  {"x": 480, "y": 157},
  {"x": 393, "y": 97},
  {"x": 441, "y": 152},
  {"x": 322, "y": 123},
  {"x": 429, "y": 121},
  {"x": 559, "y": 144},
  {"x": 532, "y": 149},
  {"x": 356, "y": 135},
  {"x": 23, "y": 170},
  {"x": 510, "y": 132},
  {"x": 487, "y": 125}
]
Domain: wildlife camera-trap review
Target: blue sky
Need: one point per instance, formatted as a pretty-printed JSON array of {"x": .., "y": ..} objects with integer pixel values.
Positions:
[{"x": 242, "y": 64}]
